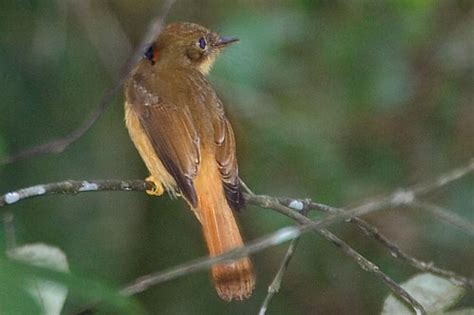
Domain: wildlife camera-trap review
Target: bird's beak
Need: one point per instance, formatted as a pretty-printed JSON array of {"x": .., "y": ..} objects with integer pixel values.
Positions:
[{"x": 224, "y": 41}]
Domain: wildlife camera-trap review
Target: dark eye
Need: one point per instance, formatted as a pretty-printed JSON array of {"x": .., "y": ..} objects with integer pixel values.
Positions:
[
  {"x": 202, "y": 43},
  {"x": 149, "y": 53}
]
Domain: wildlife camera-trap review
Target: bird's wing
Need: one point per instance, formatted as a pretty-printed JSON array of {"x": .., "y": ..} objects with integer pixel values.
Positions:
[
  {"x": 227, "y": 160},
  {"x": 172, "y": 134}
]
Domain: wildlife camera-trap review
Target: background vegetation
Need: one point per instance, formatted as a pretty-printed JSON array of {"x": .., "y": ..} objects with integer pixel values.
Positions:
[{"x": 334, "y": 100}]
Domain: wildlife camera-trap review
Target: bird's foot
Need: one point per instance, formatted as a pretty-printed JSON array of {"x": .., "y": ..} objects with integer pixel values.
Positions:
[{"x": 157, "y": 189}]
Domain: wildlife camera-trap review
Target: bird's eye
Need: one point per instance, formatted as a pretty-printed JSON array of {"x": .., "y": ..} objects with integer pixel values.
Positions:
[
  {"x": 149, "y": 53},
  {"x": 202, "y": 43}
]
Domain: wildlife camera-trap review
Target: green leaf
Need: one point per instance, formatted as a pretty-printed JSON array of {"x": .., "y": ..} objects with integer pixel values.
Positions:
[
  {"x": 436, "y": 294},
  {"x": 14, "y": 298},
  {"x": 50, "y": 295},
  {"x": 18, "y": 275}
]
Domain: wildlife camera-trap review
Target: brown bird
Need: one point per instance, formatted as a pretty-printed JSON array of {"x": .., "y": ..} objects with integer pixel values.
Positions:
[{"x": 178, "y": 126}]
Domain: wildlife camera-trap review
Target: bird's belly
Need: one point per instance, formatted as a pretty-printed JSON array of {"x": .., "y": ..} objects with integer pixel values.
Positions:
[{"x": 146, "y": 151}]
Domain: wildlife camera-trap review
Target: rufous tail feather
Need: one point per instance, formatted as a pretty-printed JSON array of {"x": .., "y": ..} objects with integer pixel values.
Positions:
[{"x": 234, "y": 280}]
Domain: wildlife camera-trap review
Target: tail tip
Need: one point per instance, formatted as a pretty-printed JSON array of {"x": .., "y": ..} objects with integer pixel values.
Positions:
[
  {"x": 234, "y": 283},
  {"x": 238, "y": 291}
]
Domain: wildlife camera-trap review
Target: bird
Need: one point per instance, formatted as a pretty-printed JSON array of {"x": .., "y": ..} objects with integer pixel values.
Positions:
[{"x": 178, "y": 125}]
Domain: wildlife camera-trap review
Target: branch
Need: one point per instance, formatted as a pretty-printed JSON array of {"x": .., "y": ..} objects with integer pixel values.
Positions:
[
  {"x": 447, "y": 216},
  {"x": 364, "y": 263},
  {"x": 398, "y": 198},
  {"x": 307, "y": 204},
  {"x": 276, "y": 238},
  {"x": 282, "y": 235},
  {"x": 276, "y": 283},
  {"x": 61, "y": 144},
  {"x": 418, "y": 264},
  {"x": 368, "y": 230},
  {"x": 447, "y": 178},
  {"x": 73, "y": 187}
]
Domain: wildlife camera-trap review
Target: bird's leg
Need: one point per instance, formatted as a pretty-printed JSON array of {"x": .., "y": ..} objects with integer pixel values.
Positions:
[{"x": 157, "y": 189}]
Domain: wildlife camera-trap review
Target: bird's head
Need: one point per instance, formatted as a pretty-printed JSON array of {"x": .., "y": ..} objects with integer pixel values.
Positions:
[{"x": 189, "y": 45}]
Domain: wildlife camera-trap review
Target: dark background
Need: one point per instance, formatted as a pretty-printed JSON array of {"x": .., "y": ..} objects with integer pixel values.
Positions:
[{"x": 334, "y": 100}]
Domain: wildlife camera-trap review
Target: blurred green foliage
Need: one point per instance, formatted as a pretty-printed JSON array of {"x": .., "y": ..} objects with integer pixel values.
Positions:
[{"x": 333, "y": 100}]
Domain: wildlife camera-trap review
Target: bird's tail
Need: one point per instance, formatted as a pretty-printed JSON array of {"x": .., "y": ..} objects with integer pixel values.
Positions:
[{"x": 234, "y": 280}]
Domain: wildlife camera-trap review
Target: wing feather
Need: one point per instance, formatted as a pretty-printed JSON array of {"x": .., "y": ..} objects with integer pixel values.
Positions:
[
  {"x": 172, "y": 134},
  {"x": 227, "y": 161}
]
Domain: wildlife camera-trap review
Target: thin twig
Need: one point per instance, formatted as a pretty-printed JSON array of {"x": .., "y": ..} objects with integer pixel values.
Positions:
[
  {"x": 453, "y": 175},
  {"x": 98, "y": 25},
  {"x": 364, "y": 263},
  {"x": 396, "y": 252},
  {"x": 273, "y": 239},
  {"x": 59, "y": 145},
  {"x": 245, "y": 187},
  {"x": 370, "y": 230},
  {"x": 368, "y": 266},
  {"x": 9, "y": 227},
  {"x": 447, "y": 216},
  {"x": 274, "y": 287},
  {"x": 282, "y": 235},
  {"x": 398, "y": 198},
  {"x": 72, "y": 187},
  {"x": 407, "y": 195}
]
